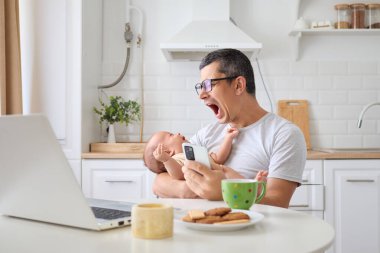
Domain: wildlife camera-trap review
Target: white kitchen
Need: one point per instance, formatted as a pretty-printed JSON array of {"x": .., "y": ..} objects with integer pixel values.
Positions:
[{"x": 75, "y": 54}]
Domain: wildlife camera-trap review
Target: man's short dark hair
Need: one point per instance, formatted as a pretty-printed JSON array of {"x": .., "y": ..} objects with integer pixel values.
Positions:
[{"x": 232, "y": 62}]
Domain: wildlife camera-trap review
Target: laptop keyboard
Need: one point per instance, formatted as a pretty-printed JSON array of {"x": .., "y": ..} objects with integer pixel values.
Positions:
[{"x": 109, "y": 214}]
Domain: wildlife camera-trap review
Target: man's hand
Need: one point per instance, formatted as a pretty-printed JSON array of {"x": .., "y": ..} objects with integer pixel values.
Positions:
[
  {"x": 161, "y": 154},
  {"x": 203, "y": 181}
]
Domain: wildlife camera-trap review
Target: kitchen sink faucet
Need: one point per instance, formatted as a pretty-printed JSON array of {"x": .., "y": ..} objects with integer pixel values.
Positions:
[{"x": 363, "y": 112}]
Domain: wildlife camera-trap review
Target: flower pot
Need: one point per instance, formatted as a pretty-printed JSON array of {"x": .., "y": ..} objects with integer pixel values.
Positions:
[{"x": 111, "y": 134}]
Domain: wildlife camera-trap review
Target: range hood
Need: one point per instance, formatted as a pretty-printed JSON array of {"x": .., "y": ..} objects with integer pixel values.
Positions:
[{"x": 209, "y": 30}]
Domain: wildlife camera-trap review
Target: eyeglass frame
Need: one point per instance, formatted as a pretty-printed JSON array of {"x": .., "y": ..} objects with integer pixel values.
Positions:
[{"x": 199, "y": 86}]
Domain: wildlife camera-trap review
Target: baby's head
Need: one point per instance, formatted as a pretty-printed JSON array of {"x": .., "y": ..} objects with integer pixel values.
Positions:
[{"x": 172, "y": 142}]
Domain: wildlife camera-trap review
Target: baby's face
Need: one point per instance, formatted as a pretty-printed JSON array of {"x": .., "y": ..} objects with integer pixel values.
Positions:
[{"x": 173, "y": 141}]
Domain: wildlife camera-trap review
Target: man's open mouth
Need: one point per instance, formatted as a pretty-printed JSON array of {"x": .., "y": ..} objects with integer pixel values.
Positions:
[{"x": 214, "y": 108}]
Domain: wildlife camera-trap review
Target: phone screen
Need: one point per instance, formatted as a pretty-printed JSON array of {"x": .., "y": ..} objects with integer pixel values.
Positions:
[{"x": 196, "y": 153}]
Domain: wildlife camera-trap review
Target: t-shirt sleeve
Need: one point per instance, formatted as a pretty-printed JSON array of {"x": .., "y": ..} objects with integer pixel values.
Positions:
[{"x": 289, "y": 154}]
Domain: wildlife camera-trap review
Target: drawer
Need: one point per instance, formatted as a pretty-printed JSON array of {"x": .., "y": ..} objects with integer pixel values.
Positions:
[
  {"x": 114, "y": 179},
  {"x": 308, "y": 197},
  {"x": 313, "y": 172},
  {"x": 118, "y": 185}
]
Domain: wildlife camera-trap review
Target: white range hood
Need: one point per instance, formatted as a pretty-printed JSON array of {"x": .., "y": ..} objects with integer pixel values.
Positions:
[{"x": 210, "y": 29}]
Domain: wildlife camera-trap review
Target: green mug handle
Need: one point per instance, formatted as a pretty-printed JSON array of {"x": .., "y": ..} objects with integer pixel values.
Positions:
[{"x": 263, "y": 191}]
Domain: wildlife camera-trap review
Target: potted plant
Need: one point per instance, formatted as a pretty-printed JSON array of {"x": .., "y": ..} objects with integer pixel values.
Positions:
[{"x": 117, "y": 111}]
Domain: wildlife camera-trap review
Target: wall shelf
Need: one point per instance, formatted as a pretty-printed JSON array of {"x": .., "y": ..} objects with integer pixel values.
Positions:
[
  {"x": 355, "y": 32},
  {"x": 298, "y": 34}
]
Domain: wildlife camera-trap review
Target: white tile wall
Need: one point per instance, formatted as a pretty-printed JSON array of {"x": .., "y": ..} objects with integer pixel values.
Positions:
[
  {"x": 335, "y": 100},
  {"x": 336, "y": 86}
]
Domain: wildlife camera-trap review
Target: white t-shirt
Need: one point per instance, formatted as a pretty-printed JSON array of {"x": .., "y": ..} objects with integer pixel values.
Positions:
[{"x": 272, "y": 144}]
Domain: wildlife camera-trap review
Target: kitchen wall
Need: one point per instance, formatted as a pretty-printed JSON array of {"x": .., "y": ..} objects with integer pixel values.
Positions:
[{"x": 337, "y": 74}]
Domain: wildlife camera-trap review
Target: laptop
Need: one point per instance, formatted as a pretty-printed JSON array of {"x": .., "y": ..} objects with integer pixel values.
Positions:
[{"x": 37, "y": 182}]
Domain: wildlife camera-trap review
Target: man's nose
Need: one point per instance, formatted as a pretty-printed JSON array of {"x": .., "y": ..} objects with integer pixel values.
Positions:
[{"x": 203, "y": 94}]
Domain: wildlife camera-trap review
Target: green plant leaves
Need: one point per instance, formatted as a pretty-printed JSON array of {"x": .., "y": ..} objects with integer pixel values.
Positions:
[{"x": 118, "y": 111}]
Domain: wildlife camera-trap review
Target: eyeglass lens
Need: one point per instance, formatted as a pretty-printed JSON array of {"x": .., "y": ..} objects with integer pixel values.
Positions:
[{"x": 205, "y": 86}]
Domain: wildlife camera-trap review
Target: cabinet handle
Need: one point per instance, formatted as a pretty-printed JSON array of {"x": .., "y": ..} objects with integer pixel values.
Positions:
[
  {"x": 298, "y": 205},
  {"x": 304, "y": 181},
  {"x": 360, "y": 180},
  {"x": 119, "y": 181}
]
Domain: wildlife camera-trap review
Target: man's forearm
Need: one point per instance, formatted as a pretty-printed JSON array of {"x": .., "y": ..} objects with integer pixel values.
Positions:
[
  {"x": 274, "y": 201},
  {"x": 278, "y": 192},
  {"x": 166, "y": 187}
]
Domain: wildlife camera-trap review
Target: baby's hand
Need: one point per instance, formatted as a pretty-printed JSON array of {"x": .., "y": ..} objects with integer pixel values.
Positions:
[
  {"x": 232, "y": 132},
  {"x": 262, "y": 175},
  {"x": 161, "y": 153}
]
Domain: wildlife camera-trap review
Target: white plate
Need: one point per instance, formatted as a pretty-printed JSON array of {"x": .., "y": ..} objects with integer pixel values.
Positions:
[{"x": 255, "y": 218}]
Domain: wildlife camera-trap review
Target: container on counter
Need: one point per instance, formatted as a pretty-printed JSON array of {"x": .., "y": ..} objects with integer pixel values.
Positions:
[
  {"x": 373, "y": 16},
  {"x": 357, "y": 16},
  {"x": 343, "y": 16}
]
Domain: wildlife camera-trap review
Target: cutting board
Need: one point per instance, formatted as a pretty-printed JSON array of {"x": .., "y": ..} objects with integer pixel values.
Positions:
[{"x": 296, "y": 111}]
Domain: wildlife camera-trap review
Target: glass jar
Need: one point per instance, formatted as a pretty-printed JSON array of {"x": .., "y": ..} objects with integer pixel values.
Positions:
[
  {"x": 343, "y": 16},
  {"x": 373, "y": 16},
  {"x": 357, "y": 16}
]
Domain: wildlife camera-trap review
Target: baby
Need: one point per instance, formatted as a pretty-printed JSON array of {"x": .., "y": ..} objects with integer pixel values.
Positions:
[{"x": 163, "y": 152}]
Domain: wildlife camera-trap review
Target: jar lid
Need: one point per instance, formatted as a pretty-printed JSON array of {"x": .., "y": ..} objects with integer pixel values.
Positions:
[
  {"x": 357, "y": 5},
  {"x": 341, "y": 6},
  {"x": 373, "y": 6}
]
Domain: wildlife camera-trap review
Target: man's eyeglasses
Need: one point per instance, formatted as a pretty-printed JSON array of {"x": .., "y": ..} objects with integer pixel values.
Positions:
[{"x": 207, "y": 84}]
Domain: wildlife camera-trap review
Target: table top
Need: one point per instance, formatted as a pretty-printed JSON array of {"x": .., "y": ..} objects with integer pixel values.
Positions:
[{"x": 281, "y": 230}]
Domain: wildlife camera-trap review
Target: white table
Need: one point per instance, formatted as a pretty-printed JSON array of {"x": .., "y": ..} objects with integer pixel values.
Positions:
[{"x": 281, "y": 230}]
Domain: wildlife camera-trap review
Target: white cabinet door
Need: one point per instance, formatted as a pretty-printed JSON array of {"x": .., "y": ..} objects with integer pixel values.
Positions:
[
  {"x": 115, "y": 179},
  {"x": 353, "y": 204},
  {"x": 309, "y": 197}
]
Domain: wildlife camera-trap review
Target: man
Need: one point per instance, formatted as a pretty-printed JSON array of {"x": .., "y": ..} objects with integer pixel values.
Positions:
[{"x": 265, "y": 141}]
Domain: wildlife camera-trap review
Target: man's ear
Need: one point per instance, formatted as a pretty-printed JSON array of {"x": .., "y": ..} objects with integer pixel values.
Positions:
[{"x": 240, "y": 85}]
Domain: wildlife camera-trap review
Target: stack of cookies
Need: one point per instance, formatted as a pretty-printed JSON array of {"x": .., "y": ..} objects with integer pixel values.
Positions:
[{"x": 220, "y": 215}]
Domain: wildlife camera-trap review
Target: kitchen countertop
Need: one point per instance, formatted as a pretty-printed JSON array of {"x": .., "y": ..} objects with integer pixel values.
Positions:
[
  {"x": 109, "y": 155},
  {"x": 311, "y": 155},
  {"x": 347, "y": 154}
]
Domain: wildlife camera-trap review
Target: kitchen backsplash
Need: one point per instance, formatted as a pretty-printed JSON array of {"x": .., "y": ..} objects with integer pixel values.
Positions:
[{"x": 336, "y": 91}]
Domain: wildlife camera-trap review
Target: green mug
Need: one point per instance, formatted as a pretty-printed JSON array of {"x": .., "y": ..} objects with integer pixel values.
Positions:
[{"x": 242, "y": 193}]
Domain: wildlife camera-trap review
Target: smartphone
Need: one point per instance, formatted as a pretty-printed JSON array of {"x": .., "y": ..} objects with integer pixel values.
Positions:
[{"x": 196, "y": 153}]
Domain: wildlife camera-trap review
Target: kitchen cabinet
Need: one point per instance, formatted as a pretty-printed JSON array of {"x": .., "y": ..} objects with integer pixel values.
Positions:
[
  {"x": 309, "y": 197},
  {"x": 353, "y": 204},
  {"x": 116, "y": 179},
  {"x": 297, "y": 34}
]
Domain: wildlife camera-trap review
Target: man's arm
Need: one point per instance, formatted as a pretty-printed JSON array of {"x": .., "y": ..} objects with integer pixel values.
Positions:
[
  {"x": 279, "y": 192},
  {"x": 207, "y": 184},
  {"x": 166, "y": 187}
]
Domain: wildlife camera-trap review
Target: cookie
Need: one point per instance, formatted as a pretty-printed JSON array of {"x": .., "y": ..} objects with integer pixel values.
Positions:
[
  {"x": 187, "y": 218},
  {"x": 233, "y": 221},
  {"x": 236, "y": 216},
  {"x": 210, "y": 219},
  {"x": 220, "y": 211},
  {"x": 196, "y": 214}
]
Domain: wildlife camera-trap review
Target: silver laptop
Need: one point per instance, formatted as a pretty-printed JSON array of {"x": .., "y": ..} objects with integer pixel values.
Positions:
[{"x": 37, "y": 182}]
